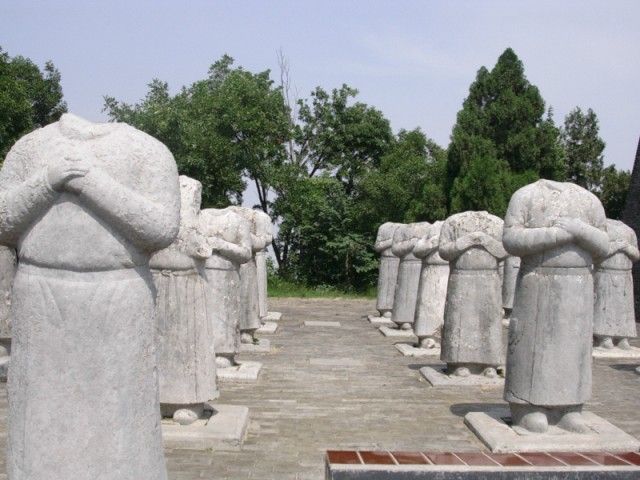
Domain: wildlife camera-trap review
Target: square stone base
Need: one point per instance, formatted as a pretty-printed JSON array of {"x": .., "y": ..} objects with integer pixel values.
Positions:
[
  {"x": 375, "y": 320},
  {"x": 397, "y": 333},
  {"x": 243, "y": 372},
  {"x": 409, "y": 350},
  {"x": 263, "y": 346},
  {"x": 224, "y": 430},
  {"x": 273, "y": 317},
  {"x": 437, "y": 377},
  {"x": 617, "y": 353},
  {"x": 494, "y": 432},
  {"x": 268, "y": 328}
]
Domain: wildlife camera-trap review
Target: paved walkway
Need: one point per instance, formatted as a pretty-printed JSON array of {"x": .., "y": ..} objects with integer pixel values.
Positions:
[{"x": 347, "y": 387}]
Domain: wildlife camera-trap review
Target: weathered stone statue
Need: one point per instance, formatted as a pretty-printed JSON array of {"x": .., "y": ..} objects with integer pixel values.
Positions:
[
  {"x": 229, "y": 235},
  {"x": 557, "y": 229},
  {"x": 8, "y": 265},
  {"x": 249, "y": 301},
  {"x": 186, "y": 359},
  {"x": 432, "y": 292},
  {"x": 406, "y": 292},
  {"x": 265, "y": 234},
  {"x": 511, "y": 268},
  {"x": 86, "y": 204},
  {"x": 472, "y": 331},
  {"x": 614, "y": 320},
  {"x": 388, "y": 270}
]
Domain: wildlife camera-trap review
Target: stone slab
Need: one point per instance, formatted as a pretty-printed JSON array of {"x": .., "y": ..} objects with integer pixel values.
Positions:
[
  {"x": 318, "y": 323},
  {"x": 436, "y": 377},
  {"x": 396, "y": 332},
  {"x": 617, "y": 353},
  {"x": 268, "y": 328},
  {"x": 243, "y": 372},
  {"x": 263, "y": 346},
  {"x": 226, "y": 429},
  {"x": 409, "y": 350},
  {"x": 273, "y": 317},
  {"x": 374, "y": 320},
  {"x": 336, "y": 362},
  {"x": 498, "y": 436}
]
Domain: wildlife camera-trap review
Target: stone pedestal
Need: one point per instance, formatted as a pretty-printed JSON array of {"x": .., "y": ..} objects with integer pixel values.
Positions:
[
  {"x": 380, "y": 321},
  {"x": 273, "y": 317},
  {"x": 225, "y": 429},
  {"x": 438, "y": 377},
  {"x": 618, "y": 353},
  {"x": 397, "y": 333},
  {"x": 494, "y": 430},
  {"x": 268, "y": 328},
  {"x": 243, "y": 372},
  {"x": 411, "y": 350}
]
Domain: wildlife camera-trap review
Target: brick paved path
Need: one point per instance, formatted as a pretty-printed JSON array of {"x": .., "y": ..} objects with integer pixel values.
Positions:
[{"x": 347, "y": 387}]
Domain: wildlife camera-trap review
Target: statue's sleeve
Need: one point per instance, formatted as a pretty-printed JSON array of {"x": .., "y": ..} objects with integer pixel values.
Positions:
[
  {"x": 148, "y": 216},
  {"x": 447, "y": 244},
  {"x": 24, "y": 195},
  {"x": 382, "y": 242},
  {"x": 402, "y": 241},
  {"x": 632, "y": 249},
  {"x": 517, "y": 238}
]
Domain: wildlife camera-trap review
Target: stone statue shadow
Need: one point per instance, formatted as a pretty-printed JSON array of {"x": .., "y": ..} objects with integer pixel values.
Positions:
[{"x": 625, "y": 367}]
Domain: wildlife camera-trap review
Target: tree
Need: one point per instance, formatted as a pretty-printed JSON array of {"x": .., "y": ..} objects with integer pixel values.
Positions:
[
  {"x": 341, "y": 141},
  {"x": 230, "y": 125},
  {"x": 407, "y": 186},
  {"x": 502, "y": 127},
  {"x": 613, "y": 191},
  {"x": 583, "y": 149},
  {"x": 29, "y": 98}
]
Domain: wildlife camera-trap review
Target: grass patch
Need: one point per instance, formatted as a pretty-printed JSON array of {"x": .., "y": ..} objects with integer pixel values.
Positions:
[{"x": 279, "y": 287}]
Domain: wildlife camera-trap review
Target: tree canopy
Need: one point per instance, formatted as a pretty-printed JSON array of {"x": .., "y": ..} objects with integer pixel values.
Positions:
[{"x": 29, "y": 98}]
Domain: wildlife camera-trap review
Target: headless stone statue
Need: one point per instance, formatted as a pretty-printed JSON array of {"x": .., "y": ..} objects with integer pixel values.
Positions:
[
  {"x": 186, "y": 359},
  {"x": 86, "y": 204},
  {"x": 614, "y": 320},
  {"x": 557, "y": 229},
  {"x": 8, "y": 266},
  {"x": 432, "y": 291},
  {"x": 249, "y": 300},
  {"x": 264, "y": 232},
  {"x": 388, "y": 270},
  {"x": 472, "y": 333},
  {"x": 406, "y": 293},
  {"x": 511, "y": 268},
  {"x": 229, "y": 235}
]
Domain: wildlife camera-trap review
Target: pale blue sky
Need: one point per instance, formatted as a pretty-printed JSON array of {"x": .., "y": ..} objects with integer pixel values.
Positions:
[{"x": 414, "y": 60}]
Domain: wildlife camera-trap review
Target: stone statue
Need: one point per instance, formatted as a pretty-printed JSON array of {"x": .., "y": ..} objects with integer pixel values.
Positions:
[
  {"x": 511, "y": 268},
  {"x": 86, "y": 204},
  {"x": 186, "y": 359},
  {"x": 557, "y": 229},
  {"x": 472, "y": 333},
  {"x": 388, "y": 270},
  {"x": 614, "y": 318},
  {"x": 432, "y": 290},
  {"x": 8, "y": 266},
  {"x": 229, "y": 235},
  {"x": 264, "y": 232},
  {"x": 249, "y": 301},
  {"x": 406, "y": 293}
]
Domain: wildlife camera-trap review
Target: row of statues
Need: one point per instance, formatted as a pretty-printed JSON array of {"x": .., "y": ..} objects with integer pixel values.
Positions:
[
  {"x": 125, "y": 298},
  {"x": 556, "y": 267}
]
